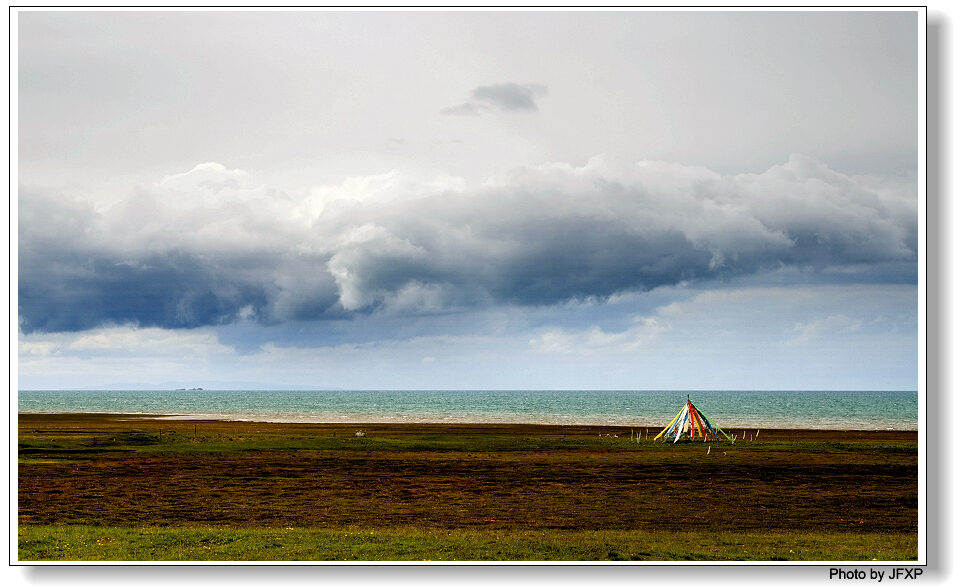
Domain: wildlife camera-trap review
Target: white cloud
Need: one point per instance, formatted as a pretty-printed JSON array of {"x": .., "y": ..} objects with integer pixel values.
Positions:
[
  {"x": 210, "y": 176},
  {"x": 118, "y": 354},
  {"x": 374, "y": 191},
  {"x": 127, "y": 341},
  {"x": 360, "y": 249},
  {"x": 594, "y": 340},
  {"x": 830, "y": 326}
]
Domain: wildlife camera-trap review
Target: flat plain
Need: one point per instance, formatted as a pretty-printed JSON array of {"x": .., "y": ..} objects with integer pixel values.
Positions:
[{"x": 125, "y": 487}]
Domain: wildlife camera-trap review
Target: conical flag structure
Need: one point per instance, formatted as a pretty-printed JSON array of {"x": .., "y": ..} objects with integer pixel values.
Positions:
[{"x": 692, "y": 420}]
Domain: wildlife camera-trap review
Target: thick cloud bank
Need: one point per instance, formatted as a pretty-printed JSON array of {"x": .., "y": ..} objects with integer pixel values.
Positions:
[{"x": 207, "y": 247}]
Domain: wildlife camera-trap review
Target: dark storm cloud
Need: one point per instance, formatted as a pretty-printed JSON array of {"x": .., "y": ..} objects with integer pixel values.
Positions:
[
  {"x": 497, "y": 251},
  {"x": 173, "y": 290},
  {"x": 143, "y": 262},
  {"x": 560, "y": 237},
  {"x": 168, "y": 290},
  {"x": 542, "y": 237},
  {"x": 506, "y": 97}
]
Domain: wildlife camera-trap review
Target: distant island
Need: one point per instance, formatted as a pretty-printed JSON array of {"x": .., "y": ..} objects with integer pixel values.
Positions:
[{"x": 187, "y": 389}]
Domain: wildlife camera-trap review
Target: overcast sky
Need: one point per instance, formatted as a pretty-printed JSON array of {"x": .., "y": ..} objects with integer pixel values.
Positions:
[{"x": 444, "y": 200}]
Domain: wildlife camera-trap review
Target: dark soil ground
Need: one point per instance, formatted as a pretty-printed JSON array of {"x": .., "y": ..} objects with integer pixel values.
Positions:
[{"x": 128, "y": 471}]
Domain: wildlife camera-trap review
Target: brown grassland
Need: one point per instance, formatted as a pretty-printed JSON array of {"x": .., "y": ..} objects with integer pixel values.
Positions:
[{"x": 124, "y": 471}]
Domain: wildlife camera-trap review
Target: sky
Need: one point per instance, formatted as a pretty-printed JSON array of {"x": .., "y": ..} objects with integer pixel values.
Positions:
[{"x": 468, "y": 200}]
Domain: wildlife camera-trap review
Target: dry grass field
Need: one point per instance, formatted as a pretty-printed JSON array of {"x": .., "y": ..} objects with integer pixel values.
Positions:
[{"x": 122, "y": 471}]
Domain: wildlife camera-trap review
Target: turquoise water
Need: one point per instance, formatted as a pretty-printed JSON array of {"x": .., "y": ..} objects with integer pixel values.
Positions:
[{"x": 730, "y": 409}]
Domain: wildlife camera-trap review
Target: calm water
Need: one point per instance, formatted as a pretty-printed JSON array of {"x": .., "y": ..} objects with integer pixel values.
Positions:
[{"x": 730, "y": 409}]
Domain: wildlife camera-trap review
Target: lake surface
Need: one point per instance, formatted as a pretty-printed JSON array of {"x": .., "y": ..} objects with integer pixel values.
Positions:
[{"x": 866, "y": 410}]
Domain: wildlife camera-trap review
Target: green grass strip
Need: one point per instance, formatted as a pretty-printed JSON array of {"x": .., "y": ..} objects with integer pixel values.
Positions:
[{"x": 92, "y": 543}]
